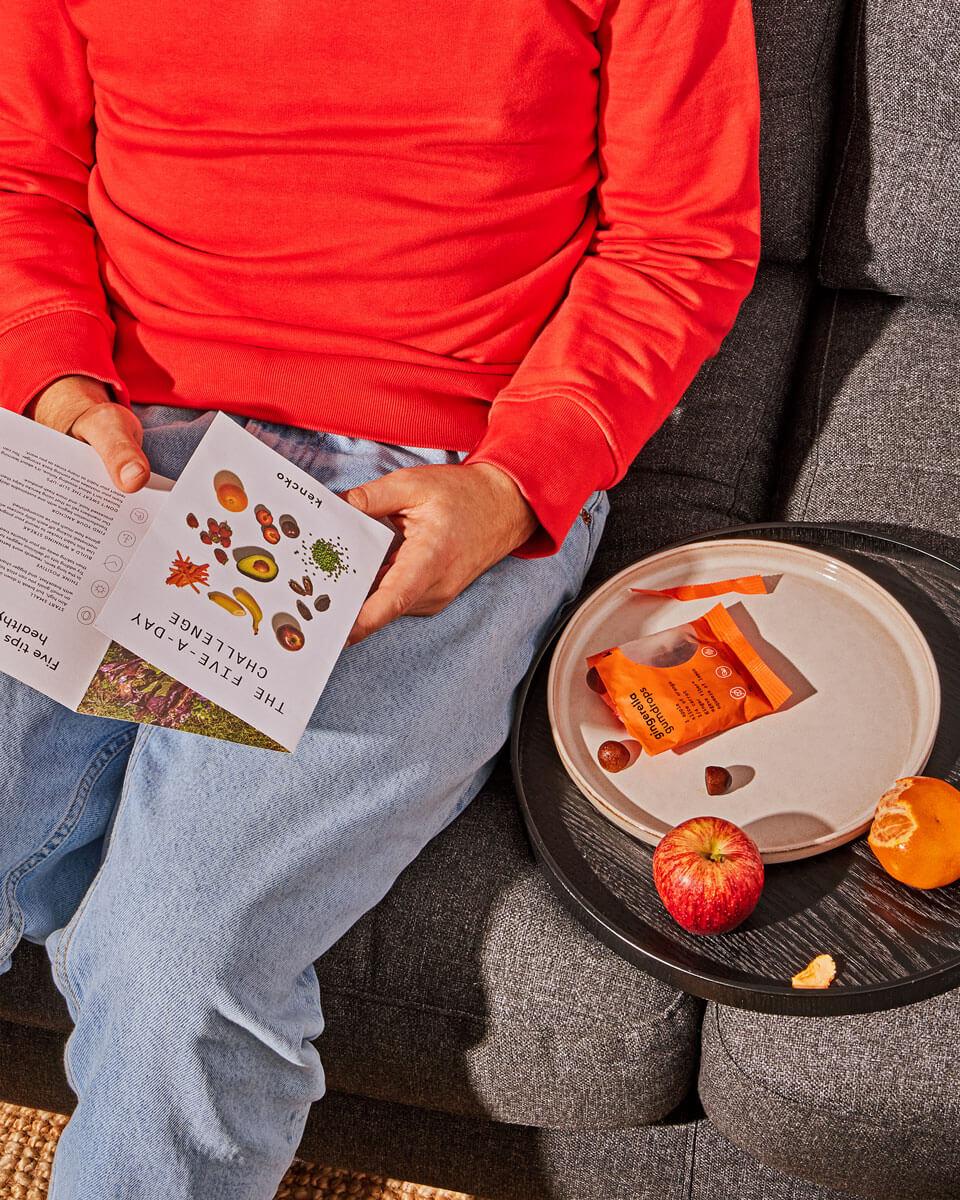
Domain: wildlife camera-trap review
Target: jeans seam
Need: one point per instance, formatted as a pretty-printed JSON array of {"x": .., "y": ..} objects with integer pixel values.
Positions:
[
  {"x": 64, "y": 828},
  {"x": 59, "y": 964}
]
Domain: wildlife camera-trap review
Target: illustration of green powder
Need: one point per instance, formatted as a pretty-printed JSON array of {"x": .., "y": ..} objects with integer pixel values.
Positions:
[{"x": 329, "y": 557}]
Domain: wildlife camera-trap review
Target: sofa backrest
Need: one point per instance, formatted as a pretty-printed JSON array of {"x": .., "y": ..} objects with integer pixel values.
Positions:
[
  {"x": 892, "y": 215},
  {"x": 797, "y": 43}
]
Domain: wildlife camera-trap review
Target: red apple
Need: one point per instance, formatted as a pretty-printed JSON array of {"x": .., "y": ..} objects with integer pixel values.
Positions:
[{"x": 709, "y": 874}]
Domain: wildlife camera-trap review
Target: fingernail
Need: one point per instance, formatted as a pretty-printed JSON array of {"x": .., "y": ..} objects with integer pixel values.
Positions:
[{"x": 130, "y": 474}]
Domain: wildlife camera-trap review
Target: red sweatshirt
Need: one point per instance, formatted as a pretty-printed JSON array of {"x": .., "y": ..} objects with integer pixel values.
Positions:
[{"x": 512, "y": 227}]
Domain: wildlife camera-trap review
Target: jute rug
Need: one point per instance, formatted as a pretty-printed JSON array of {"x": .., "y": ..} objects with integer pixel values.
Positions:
[{"x": 28, "y": 1139}]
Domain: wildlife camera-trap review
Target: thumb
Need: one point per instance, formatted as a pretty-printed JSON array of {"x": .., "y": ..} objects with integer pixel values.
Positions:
[
  {"x": 115, "y": 433},
  {"x": 384, "y": 496}
]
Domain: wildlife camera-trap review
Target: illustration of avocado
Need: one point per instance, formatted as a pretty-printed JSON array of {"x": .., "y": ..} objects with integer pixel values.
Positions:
[{"x": 256, "y": 564}]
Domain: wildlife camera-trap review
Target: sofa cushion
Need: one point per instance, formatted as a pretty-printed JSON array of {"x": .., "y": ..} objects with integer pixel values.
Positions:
[
  {"x": 892, "y": 208},
  {"x": 871, "y": 435},
  {"x": 502, "y": 1162},
  {"x": 721, "y": 1170},
  {"x": 866, "y": 1104},
  {"x": 469, "y": 989},
  {"x": 796, "y": 52},
  {"x": 713, "y": 461}
]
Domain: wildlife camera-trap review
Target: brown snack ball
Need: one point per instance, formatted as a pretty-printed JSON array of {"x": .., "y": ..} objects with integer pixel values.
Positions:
[
  {"x": 594, "y": 682},
  {"x": 613, "y": 756},
  {"x": 717, "y": 780}
]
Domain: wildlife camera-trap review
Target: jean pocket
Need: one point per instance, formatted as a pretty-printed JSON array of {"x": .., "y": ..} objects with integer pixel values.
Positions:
[
  {"x": 580, "y": 544},
  {"x": 593, "y": 515}
]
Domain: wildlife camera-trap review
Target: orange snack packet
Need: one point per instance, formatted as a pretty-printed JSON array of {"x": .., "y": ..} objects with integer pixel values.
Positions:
[
  {"x": 746, "y": 585},
  {"x": 693, "y": 680}
]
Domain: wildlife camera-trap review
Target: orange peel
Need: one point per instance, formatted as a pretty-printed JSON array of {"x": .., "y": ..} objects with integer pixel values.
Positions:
[{"x": 915, "y": 833}]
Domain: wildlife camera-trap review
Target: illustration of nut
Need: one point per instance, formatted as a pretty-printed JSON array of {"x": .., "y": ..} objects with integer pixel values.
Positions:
[
  {"x": 304, "y": 611},
  {"x": 322, "y": 603}
]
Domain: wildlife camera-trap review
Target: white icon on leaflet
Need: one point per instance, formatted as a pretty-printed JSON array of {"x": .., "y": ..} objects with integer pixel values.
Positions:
[
  {"x": 708, "y": 652},
  {"x": 738, "y": 693},
  {"x": 723, "y": 672}
]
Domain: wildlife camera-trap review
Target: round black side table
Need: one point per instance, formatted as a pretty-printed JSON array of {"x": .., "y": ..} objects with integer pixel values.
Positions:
[{"x": 893, "y": 945}]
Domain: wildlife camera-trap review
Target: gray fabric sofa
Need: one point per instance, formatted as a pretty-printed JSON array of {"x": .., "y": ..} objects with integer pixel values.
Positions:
[{"x": 477, "y": 1038}]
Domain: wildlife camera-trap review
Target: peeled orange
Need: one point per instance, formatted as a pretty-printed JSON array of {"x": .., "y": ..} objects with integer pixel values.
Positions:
[{"x": 916, "y": 832}]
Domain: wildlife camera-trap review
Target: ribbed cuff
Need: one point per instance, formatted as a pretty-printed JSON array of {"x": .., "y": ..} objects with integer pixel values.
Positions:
[
  {"x": 41, "y": 349},
  {"x": 556, "y": 454}
]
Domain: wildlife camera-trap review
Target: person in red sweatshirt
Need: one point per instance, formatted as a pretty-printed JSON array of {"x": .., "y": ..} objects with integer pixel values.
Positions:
[{"x": 459, "y": 262}]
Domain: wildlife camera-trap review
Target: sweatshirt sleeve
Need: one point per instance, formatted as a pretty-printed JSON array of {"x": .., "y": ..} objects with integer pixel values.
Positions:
[
  {"x": 674, "y": 254},
  {"x": 53, "y": 311}
]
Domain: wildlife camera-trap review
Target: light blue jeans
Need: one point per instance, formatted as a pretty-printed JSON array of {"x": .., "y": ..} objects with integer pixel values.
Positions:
[{"x": 183, "y": 887}]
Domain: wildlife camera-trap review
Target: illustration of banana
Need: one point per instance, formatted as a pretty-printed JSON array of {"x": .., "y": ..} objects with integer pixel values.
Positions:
[
  {"x": 227, "y": 602},
  {"x": 252, "y": 607}
]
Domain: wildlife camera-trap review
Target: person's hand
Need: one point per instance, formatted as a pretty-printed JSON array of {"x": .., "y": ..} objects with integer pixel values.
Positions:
[
  {"x": 456, "y": 521},
  {"x": 81, "y": 407}
]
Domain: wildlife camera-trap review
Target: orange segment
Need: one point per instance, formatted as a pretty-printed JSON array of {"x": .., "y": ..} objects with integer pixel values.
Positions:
[
  {"x": 894, "y": 823},
  {"x": 818, "y": 974},
  {"x": 916, "y": 832}
]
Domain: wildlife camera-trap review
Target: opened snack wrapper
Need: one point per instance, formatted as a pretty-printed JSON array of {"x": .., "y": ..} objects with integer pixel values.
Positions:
[{"x": 688, "y": 682}]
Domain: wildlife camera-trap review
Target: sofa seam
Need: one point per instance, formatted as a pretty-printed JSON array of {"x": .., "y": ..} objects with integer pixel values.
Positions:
[
  {"x": 795, "y": 1105},
  {"x": 755, "y": 438},
  {"x": 879, "y": 122},
  {"x": 849, "y": 139},
  {"x": 666, "y": 1016},
  {"x": 817, "y": 162},
  {"x": 818, "y": 410},
  {"x": 912, "y": 466},
  {"x": 692, "y": 1144}
]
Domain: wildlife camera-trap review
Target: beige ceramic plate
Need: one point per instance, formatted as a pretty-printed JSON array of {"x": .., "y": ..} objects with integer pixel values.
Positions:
[{"x": 865, "y": 710}]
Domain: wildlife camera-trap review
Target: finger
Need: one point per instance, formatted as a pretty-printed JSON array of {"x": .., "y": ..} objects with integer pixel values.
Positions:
[
  {"x": 384, "y": 567},
  {"x": 401, "y": 587},
  {"x": 115, "y": 433},
  {"x": 389, "y": 494}
]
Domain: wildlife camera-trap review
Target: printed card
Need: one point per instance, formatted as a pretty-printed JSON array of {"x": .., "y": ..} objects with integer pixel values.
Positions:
[
  {"x": 66, "y": 536},
  {"x": 244, "y": 592}
]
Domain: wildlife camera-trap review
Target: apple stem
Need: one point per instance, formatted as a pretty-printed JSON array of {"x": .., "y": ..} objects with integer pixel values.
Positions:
[{"x": 717, "y": 856}]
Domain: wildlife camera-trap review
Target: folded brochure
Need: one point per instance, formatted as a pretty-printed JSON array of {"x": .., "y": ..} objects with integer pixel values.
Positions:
[{"x": 218, "y": 604}]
